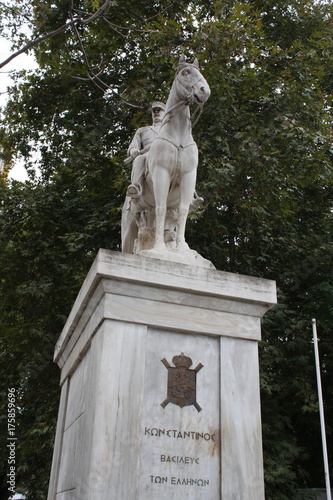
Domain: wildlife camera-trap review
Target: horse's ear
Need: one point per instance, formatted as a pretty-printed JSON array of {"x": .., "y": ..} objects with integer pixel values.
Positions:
[
  {"x": 182, "y": 58},
  {"x": 196, "y": 63}
]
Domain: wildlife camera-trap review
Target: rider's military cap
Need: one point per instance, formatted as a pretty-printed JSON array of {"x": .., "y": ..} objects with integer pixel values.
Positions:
[{"x": 158, "y": 104}]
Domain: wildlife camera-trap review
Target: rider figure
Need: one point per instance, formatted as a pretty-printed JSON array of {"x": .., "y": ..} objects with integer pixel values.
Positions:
[{"x": 139, "y": 147}]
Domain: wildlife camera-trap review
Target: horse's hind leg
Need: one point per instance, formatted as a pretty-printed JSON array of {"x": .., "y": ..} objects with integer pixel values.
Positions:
[{"x": 161, "y": 183}]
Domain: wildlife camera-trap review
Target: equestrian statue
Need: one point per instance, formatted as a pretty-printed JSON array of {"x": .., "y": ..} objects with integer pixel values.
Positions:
[{"x": 165, "y": 160}]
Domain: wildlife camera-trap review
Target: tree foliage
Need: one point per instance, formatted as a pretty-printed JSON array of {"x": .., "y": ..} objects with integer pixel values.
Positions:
[{"x": 265, "y": 172}]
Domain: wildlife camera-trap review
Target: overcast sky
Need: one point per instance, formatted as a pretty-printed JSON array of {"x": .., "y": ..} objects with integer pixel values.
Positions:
[{"x": 22, "y": 61}]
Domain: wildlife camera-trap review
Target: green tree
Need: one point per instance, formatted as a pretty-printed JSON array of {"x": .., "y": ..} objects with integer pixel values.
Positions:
[{"x": 265, "y": 172}]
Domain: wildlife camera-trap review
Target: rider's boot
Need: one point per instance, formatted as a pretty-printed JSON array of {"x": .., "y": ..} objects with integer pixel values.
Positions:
[{"x": 134, "y": 190}]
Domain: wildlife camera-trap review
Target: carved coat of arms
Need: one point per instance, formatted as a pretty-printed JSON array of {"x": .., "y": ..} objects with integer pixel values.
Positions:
[{"x": 181, "y": 382}]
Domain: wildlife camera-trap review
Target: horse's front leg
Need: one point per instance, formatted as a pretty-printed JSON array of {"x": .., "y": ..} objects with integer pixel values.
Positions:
[
  {"x": 186, "y": 190},
  {"x": 161, "y": 183}
]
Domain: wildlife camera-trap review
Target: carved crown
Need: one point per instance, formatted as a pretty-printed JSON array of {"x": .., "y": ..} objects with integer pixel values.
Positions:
[{"x": 182, "y": 361}]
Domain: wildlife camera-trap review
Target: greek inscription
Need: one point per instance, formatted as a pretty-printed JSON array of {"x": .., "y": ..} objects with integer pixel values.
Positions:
[
  {"x": 189, "y": 481},
  {"x": 158, "y": 479},
  {"x": 179, "y": 460},
  {"x": 177, "y": 434},
  {"x": 177, "y": 481}
]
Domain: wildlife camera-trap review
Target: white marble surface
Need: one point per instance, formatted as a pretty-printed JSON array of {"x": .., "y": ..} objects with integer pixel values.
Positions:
[
  {"x": 179, "y": 284},
  {"x": 130, "y": 314},
  {"x": 100, "y": 436},
  {"x": 241, "y": 460},
  {"x": 188, "y": 257}
]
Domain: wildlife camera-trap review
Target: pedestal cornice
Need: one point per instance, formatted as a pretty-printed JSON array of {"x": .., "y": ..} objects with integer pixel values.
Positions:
[{"x": 127, "y": 287}]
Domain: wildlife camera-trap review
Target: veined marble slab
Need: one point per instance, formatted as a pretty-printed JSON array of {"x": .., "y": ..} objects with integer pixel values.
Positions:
[
  {"x": 167, "y": 283},
  {"x": 180, "y": 446}
]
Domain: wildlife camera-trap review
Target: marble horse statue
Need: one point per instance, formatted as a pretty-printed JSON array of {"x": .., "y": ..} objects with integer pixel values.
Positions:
[{"x": 155, "y": 221}]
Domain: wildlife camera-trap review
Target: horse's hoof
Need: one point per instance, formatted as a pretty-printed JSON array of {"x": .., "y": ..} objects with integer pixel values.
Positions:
[
  {"x": 160, "y": 246},
  {"x": 182, "y": 245}
]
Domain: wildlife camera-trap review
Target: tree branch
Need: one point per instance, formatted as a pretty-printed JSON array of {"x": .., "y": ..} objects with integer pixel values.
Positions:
[
  {"x": 92, "y": 76},
  {"x": 116, "y": 28},
  {"x": 74, "y": 22}
]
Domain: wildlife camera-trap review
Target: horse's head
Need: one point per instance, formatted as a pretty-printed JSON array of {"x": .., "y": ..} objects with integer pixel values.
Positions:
[{"x": 192, "y": 86}]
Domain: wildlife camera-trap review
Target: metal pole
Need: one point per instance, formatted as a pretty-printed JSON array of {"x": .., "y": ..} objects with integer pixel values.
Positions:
[{"x": 321, "y": 411}]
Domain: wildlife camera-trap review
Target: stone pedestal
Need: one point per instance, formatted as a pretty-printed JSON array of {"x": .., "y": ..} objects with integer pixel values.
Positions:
[{"x": 160, "y": 384}]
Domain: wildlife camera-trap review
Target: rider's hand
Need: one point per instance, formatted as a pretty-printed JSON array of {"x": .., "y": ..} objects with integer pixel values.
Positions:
[{"x": 135, "y": 153}]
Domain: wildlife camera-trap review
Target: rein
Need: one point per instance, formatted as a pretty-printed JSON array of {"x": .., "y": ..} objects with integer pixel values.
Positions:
[
  {"x": 180, "y": 147},
  {"x": 197, "y": 113},
  {"x": 185, "y": 101},
  {"x": 189, "y": 97}
]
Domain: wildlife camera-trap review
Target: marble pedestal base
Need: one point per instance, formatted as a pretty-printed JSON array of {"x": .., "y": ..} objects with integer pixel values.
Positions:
[{"x": 160, "y": 384}]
